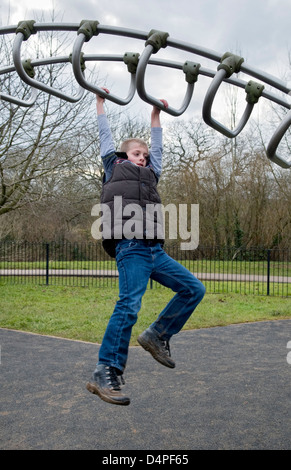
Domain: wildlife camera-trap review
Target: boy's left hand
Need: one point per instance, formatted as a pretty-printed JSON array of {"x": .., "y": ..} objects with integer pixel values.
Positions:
[
  {"x": 158, "y": 110},
  {"x": 165, "y": 103}
]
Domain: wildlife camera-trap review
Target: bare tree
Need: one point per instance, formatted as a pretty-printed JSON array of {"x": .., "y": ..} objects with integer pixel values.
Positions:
[{"x": 41, "y": 140}]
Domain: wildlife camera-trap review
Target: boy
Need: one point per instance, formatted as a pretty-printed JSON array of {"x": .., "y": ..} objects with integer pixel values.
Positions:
[{"x": 133, "y": 178}]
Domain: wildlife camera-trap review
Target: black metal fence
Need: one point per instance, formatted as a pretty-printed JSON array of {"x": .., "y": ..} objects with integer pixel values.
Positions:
[{"x": 249, "y": 271}]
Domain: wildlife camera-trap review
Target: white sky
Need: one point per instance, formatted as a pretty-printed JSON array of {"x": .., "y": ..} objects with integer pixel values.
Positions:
[{"x": 258, "y": 30}]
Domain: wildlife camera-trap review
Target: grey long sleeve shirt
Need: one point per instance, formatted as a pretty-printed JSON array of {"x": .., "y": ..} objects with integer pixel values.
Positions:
[{"x": 107, "y": 147}]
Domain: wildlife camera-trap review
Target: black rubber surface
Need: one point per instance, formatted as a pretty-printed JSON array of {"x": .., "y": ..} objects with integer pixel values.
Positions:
[{"x": 230, "y": 390}]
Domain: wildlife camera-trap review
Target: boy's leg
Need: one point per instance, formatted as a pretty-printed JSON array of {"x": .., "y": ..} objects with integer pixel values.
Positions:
[
  {"x": 134, "y": 272},
  {"x": 189, "y": 293},
  {"x": 133, "y": 278}
]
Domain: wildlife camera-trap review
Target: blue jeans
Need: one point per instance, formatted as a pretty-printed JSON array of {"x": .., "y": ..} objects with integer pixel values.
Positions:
[{"x": 137, "y": 262}]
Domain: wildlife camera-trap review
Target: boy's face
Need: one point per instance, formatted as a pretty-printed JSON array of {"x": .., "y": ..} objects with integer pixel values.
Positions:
[{"x": 138, "y": 154}]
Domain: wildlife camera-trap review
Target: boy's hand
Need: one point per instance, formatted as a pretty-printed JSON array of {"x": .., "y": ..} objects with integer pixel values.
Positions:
[
  {"x": 100, "y": 102},
  {"x": 155, "y": 116},
  {"x": 165, "y": 103},
  {"x": 158, "y": 110},
  {"x": 100, "y": 98}
]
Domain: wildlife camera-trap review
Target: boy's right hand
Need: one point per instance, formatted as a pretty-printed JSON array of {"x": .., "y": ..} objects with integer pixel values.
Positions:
[
  {"x": 100, "y": 102},
  {"x": 155, "y": 115},
  {"x": 165, "y": 103},
  {"x": 99, "y": 98}
]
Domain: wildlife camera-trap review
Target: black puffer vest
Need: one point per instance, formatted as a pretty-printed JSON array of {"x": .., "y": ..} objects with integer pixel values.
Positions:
[{"x": 133, "y": 205}]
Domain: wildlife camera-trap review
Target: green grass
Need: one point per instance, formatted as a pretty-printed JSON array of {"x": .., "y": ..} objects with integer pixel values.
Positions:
[
  {"x": 82, "y": 313},
  {"x": 212, "y": 286}
]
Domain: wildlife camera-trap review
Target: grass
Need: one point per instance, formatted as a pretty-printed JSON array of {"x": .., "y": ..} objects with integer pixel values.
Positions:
[{"x": 82, "y": 313}]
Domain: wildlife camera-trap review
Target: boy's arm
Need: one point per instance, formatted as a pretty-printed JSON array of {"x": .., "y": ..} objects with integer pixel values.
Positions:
[
  {"x": 156, "y": 151},
  {"x": 107, "y": 147},
  {"x": 106, "y": 142}
]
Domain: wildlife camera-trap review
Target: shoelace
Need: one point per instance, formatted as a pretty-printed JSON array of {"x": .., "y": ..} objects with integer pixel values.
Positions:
[
  {"x": 113, "y": 379},
  {"x": 166, "y": 346}
]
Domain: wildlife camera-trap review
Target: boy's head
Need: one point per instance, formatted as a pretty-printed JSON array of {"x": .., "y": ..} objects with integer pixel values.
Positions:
[{"x": 136, "y": 150}]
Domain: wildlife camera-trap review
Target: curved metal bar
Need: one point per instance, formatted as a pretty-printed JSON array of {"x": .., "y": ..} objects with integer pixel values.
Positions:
[
  {"x": 245, "y": 68},
  {"x": 35, "y": 83},
  {"x": 18, "y": 101},
  {"x": 275, "y": 141},
  {"x": 177, "y": 44},
  {"x": 138, "y": 79},
  {"x": 170, "y": 64},
  {"x": 140, "y": 76},
  {"x": 13, "y": 99},
  {"x": 93, "y": 88},
  {"x": 207, "y": 105}
]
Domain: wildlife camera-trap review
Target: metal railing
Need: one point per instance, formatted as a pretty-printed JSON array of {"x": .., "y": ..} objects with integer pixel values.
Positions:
[{"x": 222, "y": 269}]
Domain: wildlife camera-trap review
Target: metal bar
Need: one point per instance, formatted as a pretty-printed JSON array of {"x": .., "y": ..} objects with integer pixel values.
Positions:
[
  {"x": 246, "y": 68},
  {"x": 194, "y": 49},
  {"x": 265, "y": 77},
  {"x": 179, "y": 66},
  {"x": 207, "y": 106},
  {"x": 142, "y": 35},
  {"x": 19, "y": 102},
  {"x": 35, "y": 83},
  {"x": 275, "y": 141},
  {"x": 156, "y": 62},
  {"x": 43, "y": 27},
  {"x": 268, "y": 271},
  {"x": 140, "y": 77},
  {"x": 47, "y": 249},
  {"x": 93, "y": 88},
  {"x": 137, "y": 80}
]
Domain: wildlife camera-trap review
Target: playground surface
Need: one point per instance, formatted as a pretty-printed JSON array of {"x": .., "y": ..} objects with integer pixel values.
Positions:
[{"x": 230, "y": 390}]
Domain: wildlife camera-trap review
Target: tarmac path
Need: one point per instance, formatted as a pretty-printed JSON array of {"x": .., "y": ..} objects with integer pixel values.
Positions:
[
  {"x": 237, "y": 277},
  {"x": 230, "y": 390}
]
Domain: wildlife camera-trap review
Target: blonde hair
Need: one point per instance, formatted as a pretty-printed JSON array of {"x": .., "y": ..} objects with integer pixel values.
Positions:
[{"x": 125, "y": 146}]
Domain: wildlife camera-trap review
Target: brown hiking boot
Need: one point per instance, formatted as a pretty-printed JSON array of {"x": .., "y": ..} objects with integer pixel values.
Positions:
[
  {"x": 159, "y": 348},
  {"x": 105, "y": 383}
]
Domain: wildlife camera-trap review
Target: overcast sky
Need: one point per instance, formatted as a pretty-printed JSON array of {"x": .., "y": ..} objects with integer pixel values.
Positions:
[{"x": 259, "y": 30}]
